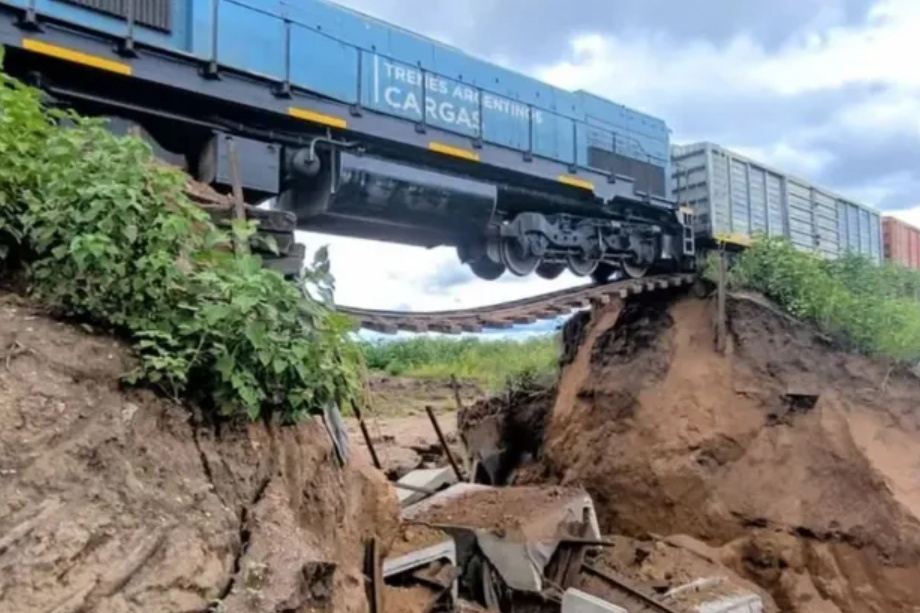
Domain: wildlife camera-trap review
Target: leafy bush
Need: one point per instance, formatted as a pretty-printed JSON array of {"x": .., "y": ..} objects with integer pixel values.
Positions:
[
  {"x": 492, "y": 362},
  {"x": 107, "y": 234},
  {"x": 870, "y": 308}
]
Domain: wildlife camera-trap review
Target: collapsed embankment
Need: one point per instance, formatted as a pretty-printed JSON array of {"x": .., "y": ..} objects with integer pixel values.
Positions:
[
  {"x": 116, "y": 502},
  {"x": 793, "y": 462}
]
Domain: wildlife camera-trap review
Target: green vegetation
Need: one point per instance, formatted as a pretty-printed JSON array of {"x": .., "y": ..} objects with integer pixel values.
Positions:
[
  {"x": 495, "y": 363},
  {"x": 104, "y": 233},
  {"x": 869, "y": 308}
]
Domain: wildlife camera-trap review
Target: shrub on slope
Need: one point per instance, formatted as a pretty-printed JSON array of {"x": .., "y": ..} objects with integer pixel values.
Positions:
[
  {"x": 870, "y": 308},
  {"x": 107, "y": 234}
]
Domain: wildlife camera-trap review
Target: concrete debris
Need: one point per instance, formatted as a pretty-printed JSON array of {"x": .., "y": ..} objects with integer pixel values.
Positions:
[
  {"x": 576, "y": 601},
  {"x": 442, "y": 552},
  {"x": 431, "y": 479}
]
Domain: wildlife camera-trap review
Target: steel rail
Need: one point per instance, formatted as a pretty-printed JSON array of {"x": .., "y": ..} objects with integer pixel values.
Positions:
[{"x": 516, "y": 312}]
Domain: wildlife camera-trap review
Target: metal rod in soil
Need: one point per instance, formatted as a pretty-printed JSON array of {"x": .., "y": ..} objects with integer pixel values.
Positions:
[
  {"x": 367, "y": 439},
  {"x": 443, "y": 441}
]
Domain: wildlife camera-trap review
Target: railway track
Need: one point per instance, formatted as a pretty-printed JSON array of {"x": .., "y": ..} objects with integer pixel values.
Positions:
[{"x": 516, "y": 312}]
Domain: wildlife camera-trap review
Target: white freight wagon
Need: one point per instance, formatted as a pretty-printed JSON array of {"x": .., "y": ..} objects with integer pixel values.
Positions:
[{"x": 734, "y": 197}]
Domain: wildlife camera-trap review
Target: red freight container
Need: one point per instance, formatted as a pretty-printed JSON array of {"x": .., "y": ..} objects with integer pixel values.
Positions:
[{"x": 902, "y": 242}]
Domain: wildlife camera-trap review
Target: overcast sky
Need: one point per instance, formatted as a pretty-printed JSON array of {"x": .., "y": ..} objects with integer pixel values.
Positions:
[{"x": 825, "y": 89}]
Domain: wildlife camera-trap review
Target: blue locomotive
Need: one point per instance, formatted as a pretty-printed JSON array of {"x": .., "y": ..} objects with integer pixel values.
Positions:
[{"x": 364, "y": 129}]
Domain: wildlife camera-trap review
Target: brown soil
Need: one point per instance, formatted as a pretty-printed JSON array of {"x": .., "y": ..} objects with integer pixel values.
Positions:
[
  {"x": 817, "y": 504},
  {"x": 521, "y": 414},
  {"x": 404, "y": 443},
  {"x": 415, "y": 599},
  {"x": 413, "y": 537},
  {"x": 512, "y": 424},
  {"x": 112, "y": 501},
  {"x": 658, "y": 566},
  {"x": 464, "y": 606},
  {"x": 503, "y": 511},
  {"x": 400, "y": 430}
]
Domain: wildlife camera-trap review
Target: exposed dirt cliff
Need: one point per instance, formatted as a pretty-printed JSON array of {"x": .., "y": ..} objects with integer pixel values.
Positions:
[
  {"x": 115, "y": 501},
  {"x": 793, "y": 462}
]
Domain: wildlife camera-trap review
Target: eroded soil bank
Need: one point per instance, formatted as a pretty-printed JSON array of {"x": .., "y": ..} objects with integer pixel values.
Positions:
[
  {"x": 113, "y": 501},
  {"x": 786, "y": 460}
]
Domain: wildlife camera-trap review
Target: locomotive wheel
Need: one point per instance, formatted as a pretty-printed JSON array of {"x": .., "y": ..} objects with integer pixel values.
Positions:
[
  {"x": 484, "y": 268},
  {"x": 549, "y": 271},
  {"x": 606, "y": 272},
  {"x": 517, "y": 257},
  {"x": 582, "y": 266},
  {"x": 634, "y": 271}
]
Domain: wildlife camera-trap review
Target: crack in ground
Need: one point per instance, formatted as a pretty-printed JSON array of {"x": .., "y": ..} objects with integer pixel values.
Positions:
[
  {"x": 245, "y": 534},
  {"x": 206, "y": 465}
]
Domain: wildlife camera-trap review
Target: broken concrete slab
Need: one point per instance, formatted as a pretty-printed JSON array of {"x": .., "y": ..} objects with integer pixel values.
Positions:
[
  {"x": 445, "y": 551},
  {"x": 576, "y": 601},
  {"x": 431, "y": 479},
  {"x": 517, "y": 528}
]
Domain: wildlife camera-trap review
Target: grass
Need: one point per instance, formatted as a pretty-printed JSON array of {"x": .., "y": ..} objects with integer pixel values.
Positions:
[
  {"x": 492, "y": 363},
  {"x": 872, "y": 309}
]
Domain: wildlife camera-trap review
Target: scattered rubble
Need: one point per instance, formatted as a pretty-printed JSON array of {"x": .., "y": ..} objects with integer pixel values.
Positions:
[{"x": 793, "y": 463}]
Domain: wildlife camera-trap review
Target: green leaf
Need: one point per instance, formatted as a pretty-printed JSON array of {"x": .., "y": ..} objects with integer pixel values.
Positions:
[{"x": 107, "y": 234}]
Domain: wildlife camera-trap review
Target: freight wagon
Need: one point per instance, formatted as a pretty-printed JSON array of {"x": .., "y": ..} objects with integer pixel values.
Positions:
[
  {"x": 735, "y": 198},
  {"x": 902, "y": 242},
  {"x": 365, "y": 129}
]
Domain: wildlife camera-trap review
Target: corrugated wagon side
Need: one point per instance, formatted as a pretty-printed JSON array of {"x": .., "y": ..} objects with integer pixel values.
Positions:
[
  {"x": 902, "y": 242},
  {"x": 735, "y": 197}
]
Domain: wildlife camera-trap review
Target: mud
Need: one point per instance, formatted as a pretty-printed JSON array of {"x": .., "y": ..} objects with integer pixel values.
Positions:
[
  {"x": 393, "y": 396},
  {"x": 512, "y": 424},
  {"x": 113, "y": 501},
  {"x": 791, "y": 461},
  {"x": 413, "y": 537},
  {"x": 660, "y": 566},
  {"x": 407, "y": 599},
  {"x": 504, "y": 511}
]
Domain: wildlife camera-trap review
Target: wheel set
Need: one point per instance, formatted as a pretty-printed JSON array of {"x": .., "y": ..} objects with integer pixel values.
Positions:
[{"x": 509, "y": 254}]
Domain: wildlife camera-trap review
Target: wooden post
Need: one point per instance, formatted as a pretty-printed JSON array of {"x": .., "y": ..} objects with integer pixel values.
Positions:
[
  {"x": 456, "y": 387},
  {"x": 239, "y": 205},
  {"x": 443, "y": 440},
  {"x": 721, "y": 340},
  {"x": 367, "y": 438},
  {"x": 373, "y": 571}
]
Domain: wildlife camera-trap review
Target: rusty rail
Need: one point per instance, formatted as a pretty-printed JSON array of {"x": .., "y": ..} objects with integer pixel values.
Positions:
[{"x": 508, "y": 314}]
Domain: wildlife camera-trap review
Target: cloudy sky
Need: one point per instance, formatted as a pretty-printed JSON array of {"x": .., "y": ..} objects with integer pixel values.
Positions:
[{"x": 825, "y": 89}]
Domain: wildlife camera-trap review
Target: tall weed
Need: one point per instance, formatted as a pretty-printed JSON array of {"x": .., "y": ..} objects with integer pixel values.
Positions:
[
  {"x": 870, "y": 308},
  {"x": 107, "y": 234}
]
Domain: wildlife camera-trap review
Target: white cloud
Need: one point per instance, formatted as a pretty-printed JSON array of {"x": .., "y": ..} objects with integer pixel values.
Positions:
[
  {"x": 376, "y": 275},
  {"x": 911, "y": 216},
  {"x": 645, "y": 71},
  {"x": 645, "y": 65}
]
